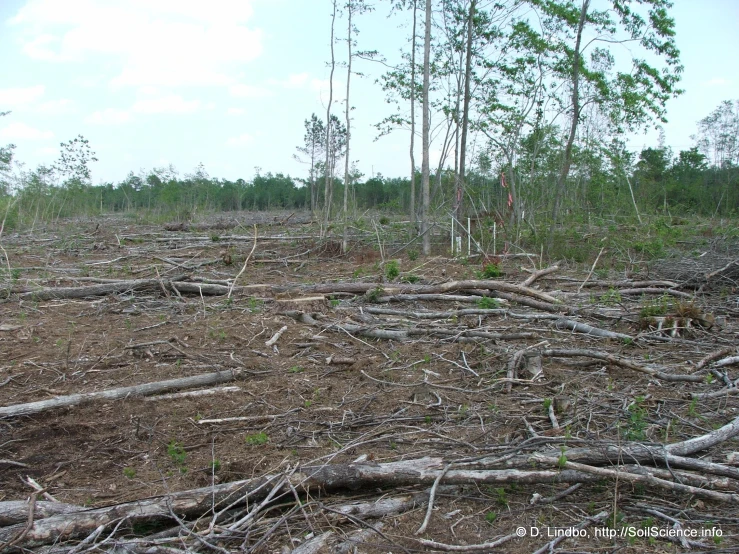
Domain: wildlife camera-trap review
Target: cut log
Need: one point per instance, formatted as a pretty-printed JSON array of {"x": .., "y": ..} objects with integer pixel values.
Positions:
[{"x": 146, "y": 389}]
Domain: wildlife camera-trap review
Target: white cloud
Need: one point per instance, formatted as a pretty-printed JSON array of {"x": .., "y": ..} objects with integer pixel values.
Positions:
[
  {"x": 162, "y": 42},
  {"x": 236, "y": 111},
  {"x": 47, "y": 151},
  {"x": 248, "y": 91},
  {"x": 296, "y": 80},
  {"x": 109, "y": 116},
  {"x": 21, "y": 131},
  {"x": 241, "y": 140},
  {"x": 166, "y": 104},
  {"x": 57, "y": 107},
  {"x": 14, "y": 97}
]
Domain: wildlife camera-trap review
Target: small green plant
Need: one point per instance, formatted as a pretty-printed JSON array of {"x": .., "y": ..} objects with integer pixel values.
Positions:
[
  {"x": 296, "y": 369},
  {"x": 500, "y": 496},
  {"x": 547, "y": 404},
  {"x": 562, "y": 460},
  {"x": 413, "y": 255},
  {"x": 215, "y": 465},
  {"x": 427, "y": 358},
  {"x": 427, "y": 419},
  {"x": 692, "y": 412},
  {"x": 393, "y": 445},
  {"x": 128, "y": 324},
  {"x": 255, "y": 305},
  {"x": 215, "y": 238},
  {"x": 307, "y": 403},
  {"x": 129, "y": 472},
  {"x": 176, "y": 453},
  {"x": 487, "y": 303},
  {"x": 637, "y": 422},
  {"x": 410, "y": 278},
  {"x": 384, "y": 220},
  {"x": 490, "y": 517},
  {"x": 612, "y": 297},
  {"x": 257, "y": 439},
  {"x": 491, "y": 271},
  {"x": 392, "y": 270},
  {"x": 656, "y": 307},
  {"x": 374, "y": 295},
  {"x": 335, "y": 302},
  {"x": 709, "y": 378}
]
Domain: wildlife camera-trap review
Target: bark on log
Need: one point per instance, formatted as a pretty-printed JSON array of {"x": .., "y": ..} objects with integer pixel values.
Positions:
[
  {"x": 116, "y": 394},
  {"x": 93, "y": 290},
  {"x": 578, "y": 327},
  {"x": 451, "y": 286},
  {"x": 616, "y": 360}
]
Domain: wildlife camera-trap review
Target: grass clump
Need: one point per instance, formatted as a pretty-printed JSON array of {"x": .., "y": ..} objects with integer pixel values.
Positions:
[{"x": 257, "y": 439}]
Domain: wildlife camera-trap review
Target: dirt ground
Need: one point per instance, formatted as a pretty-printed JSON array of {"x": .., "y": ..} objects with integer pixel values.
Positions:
[{"x": 323, "y": 395}]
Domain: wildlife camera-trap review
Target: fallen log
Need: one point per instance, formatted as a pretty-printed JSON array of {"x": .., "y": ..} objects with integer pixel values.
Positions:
[
  {"x": 578, "y": 327},
  {"x": 102, "y": 289},
  {"x": 328, "y": 478},
  {"x": 451, "y": 286},
  {"x": 616, "y": 360},
  {"x": 146, "y": 389}
]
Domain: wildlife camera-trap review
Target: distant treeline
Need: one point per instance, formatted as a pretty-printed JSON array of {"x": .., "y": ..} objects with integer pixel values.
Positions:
[{"x": 683, "y": 184}]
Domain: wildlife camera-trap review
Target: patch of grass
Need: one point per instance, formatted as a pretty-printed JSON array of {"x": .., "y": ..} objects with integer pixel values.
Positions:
[
  {"x": 374, "y": 295},
  {"x": 490, "y": 517},
  {"x": 410, "y": 278},
  {"x": 296, "y": 369},
  {"x": 637, "y": 421},
  {"x": 257, "y": 439},
  {"x": 384, "y": 220},
  {"x": 413, "y": 255},
  {"x": 611, "y": 298},
  {"x": 176, "y": 453},
  {"x": 129, "y": 472},
  {"x": 656, "y": 307},
  {"x": 487, "y": 303},
  {"x": 215, "y": 465},
  {"x": 490, "y": 271},
  {"x": 392, "y": 270},
  {"x": 255, "y": 305}
]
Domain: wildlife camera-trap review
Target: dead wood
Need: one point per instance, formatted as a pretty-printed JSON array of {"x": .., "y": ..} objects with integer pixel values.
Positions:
[
  {"x": 16, "y": 511},
  {"x": 117, "y": 287},
  {"x": 578, "y": 327},
  {"x": 450, "y": 286},
  {"x": 117, "y": 394},
  {"x": 403, "y": 334},
  {"x": 538, "y": 274},
  {"x": 617, "y": 360}
]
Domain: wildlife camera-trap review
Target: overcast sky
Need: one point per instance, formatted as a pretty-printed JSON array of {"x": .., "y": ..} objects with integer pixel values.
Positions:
[{"x": 229, "y": 82}]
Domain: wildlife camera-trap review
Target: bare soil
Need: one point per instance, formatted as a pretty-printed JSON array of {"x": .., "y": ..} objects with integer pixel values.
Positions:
[{"x": 304, "y": 408}]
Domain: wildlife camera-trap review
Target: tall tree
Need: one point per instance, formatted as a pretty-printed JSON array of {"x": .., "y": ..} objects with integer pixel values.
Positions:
[
  {"x": 329, "y": 183},
  {"x": 631, "y": 99},
  {"x": 413, "y": 213},
  {"x": 352, "y": 7},
  {"x": 426, "y": 124},
  {"x": 314, "y": 142},
  {"x": 465, "y": 112},
  {"x": 74, "y": 161}
]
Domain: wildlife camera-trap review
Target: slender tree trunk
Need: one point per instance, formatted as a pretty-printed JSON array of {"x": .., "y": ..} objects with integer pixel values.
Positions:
[
  {"x": 348, "y": 127},
  {"x": 328, "y": 193},
  {"x": 458, "y": 200},
  {"x": 426, "y": 133},
  {"x": 562, "y": 179},
  {"x": 413, "y": 117},
  {"x": 313, "y": 177}
]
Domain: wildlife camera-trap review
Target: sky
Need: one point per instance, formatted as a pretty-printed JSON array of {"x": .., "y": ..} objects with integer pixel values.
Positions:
[{"x": 229, "y": 83}]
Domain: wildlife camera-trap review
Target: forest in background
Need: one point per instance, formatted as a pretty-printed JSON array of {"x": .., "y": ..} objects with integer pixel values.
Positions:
[{"x": 530, "y": 116}]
